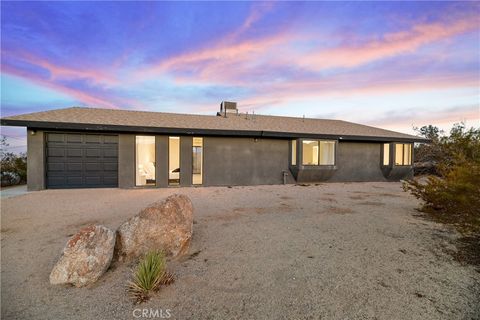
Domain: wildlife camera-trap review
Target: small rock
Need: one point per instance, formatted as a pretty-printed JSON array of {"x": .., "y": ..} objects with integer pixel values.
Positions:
[{"x": 86, "y": 256}]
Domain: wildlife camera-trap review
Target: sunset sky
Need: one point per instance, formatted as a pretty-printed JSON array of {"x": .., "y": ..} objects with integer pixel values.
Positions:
[{"x": 387, "y": 64}]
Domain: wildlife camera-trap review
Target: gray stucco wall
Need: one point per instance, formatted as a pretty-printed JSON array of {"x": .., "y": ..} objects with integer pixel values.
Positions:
[
  {"x": 35, "y": 160},
  {"x": 186, "y": 143},
  {"x": 244, "y": 161},
  {"x": 126, "y": 160},
  {"x": 161, "y": 161},
  {"x": 354, "y": 161},
  {"x": 358, "y": 161}
]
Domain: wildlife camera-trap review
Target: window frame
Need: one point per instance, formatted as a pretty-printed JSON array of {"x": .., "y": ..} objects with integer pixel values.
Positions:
[
  {"x": 335, "y": 146},
  {"x": 135, "y": 159}
]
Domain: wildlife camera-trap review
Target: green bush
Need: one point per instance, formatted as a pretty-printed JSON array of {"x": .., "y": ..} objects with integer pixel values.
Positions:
[
  {"x": 453, "y": 196},
  {"x": 149, "y": 275},
  {"x": 13, "y": 166}
]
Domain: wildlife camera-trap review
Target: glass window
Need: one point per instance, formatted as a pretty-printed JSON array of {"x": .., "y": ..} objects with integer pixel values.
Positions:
[
  {"x": 317, "y": 152},
  {"x": 386, "y": 154},
  {"x": 173, "y": 161},
  {"x": 407, "y": 152},
  {"x": 310, "y": 152},
  {"x": 197, "y": 161},
  {"x": 327, "y": 153},
  {"x": 145, "y": 160},
  {"x": 294, "y": 152},
  {"x": 403, "y": 154}
]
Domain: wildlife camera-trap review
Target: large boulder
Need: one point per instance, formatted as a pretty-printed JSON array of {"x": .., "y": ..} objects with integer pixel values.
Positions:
[
  {"x": 85, "y": 258},
  {"x": 165, "y": 225}
]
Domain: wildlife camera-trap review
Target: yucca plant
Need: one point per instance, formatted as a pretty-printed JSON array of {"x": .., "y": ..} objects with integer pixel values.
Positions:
[{"x": 149, "y": 275}]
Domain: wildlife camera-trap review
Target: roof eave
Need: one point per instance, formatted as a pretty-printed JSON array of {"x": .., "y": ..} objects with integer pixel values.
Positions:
[{"x": 190, "y": 131}]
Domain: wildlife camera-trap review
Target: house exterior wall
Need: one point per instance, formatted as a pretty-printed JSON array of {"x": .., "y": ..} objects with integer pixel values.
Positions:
[
  {"x": 161, "y": 159},
  {"x": 358, "y": 161},
  {"x": 186, "y": 143},
  {"x": 236, "y": 161},
  {"x": 245, "y": 161},
  {"x": 126, "y": 160},
  {"x": 35, "y": 160}
]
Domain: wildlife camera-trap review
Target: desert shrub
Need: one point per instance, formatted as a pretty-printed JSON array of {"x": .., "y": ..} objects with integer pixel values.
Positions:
[
  {"x": 149, "y": 275},
  {"x": 13, "y": 166},
  {"x": 453, "y": 196}
]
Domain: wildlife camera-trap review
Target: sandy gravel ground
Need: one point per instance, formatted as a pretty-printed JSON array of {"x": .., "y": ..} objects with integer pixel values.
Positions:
[{"x": 331, "y": 251}]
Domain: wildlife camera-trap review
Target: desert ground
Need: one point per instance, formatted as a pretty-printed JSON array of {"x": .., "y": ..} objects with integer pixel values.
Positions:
[{"x": 329, "y": 251}]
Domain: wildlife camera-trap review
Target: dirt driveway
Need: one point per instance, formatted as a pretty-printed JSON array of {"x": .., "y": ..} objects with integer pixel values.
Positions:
[{"x": 330, "y": 251}]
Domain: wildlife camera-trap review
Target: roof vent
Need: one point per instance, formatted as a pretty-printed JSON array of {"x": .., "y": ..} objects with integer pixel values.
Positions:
[{"x": 227, "y": 107}]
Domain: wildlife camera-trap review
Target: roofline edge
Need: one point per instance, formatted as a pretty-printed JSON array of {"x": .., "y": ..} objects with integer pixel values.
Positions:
[{"x": 209, "y": 132}]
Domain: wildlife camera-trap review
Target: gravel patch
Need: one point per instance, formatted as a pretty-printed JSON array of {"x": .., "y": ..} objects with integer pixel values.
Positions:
[{"x": 330, "y": 251}]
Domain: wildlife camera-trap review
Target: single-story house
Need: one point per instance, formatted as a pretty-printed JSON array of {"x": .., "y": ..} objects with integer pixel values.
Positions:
[{"x": 87, "y": 147}]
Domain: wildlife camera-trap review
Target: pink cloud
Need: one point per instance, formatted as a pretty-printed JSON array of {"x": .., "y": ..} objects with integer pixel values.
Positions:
[
  {"x": 239, "y": 63},
  {"x": 58, "y": 72},
  {"x": 415, "y": 117},
  {"x": 390, "y": 45},
  {"x": 77, "y": 94}
]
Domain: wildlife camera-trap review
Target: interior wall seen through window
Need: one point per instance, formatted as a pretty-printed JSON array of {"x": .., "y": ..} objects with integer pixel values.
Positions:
[
  {"x": 403, "y": 154},
  {"x": 315, "y": 152},
  {"x": 145, "y": 160},
  {"x": 310, "y": 152},
  {"x": 173, "y": 160},
  {"x": 327, "y": 152},
  {"x": 294, "y": 153},
  {"x": 386, "y": 154}
]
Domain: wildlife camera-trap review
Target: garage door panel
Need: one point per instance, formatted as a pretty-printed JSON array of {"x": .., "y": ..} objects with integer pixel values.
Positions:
[
  {"x": 75, "y": 166},
  {"x": 74, "y": 153},
  {"x": 52, "y": 166},
  {"x": 55, "y": 152},
  {"x": 94, "y": 180},
  {"x": 93, "y": 153},
  {"x": 111, "y": 181},
  {"x": 93, "y": 138},
  {"x": 110, "y": 153},
  {"x": 111, "y": 139},
  {"x": 81, "y": 160},
  {"x": 94, "y": 166},
  {"x": 55, "y": 137},
  {"x": 56, "y": 181},
  {"x": 72, "y": 181},
  {"x": 110, "y": 167},
  {"x": 74, "y": 138}
]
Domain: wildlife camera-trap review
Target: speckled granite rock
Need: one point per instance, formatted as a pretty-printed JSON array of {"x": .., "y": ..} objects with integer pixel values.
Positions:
[
  {"x": 85, "y": 258},
  {"x": 166, "y": 225}
]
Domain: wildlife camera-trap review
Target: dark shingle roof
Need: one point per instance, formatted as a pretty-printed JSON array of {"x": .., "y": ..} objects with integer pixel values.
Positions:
[{"x": 142, "y": 121}]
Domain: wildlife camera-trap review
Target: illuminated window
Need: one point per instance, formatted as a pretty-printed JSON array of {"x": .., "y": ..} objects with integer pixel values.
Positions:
[
  {"x": 403, "y": 154},
  {"x": 310, "y": 152},
  {"x": 317, "y": 152},
  {"x": 327, "y": 153},
  {"x": 145, "y": 160},
  {"x": 386, "y": 154},
  {"x": 294, "y": 152},
  {"x": 173, "y": 161},
  {"x": 197, "y": 161}
]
